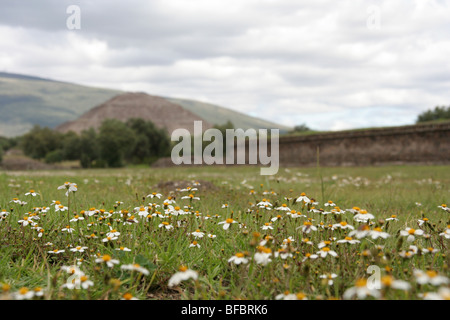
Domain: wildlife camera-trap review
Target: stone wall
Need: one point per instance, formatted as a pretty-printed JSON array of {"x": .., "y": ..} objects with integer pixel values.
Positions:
[{"x": 417, "y": 144}]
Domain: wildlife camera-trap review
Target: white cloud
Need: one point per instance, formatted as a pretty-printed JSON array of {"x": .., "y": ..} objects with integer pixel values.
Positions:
[{"x": 316, "y": 62}]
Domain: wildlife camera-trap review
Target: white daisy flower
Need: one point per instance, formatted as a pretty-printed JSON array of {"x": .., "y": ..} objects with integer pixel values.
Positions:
[
  {"x": 110, "y": 262},
  {"x": 32, "y": 193},
  {"x": 135, "y": 267},
  {"x": 410, "y": 233},
  {"x": 78, "y": 249},
  {"x": 329, "y": 277},
  {"x": 183, "y": 275},
  {"x": 392, "y": 218},
  {"x": 342, "y": 225},
  {"x": 154, "y": 194},
  {"x": 165, "y": 225},
  {"x": 309, "y": 256},
  {"x": 23, "y": 294},
  {"x": 238, "y": 258},
  {"x": 325, "y": 251},
  {"x": 267, "y": 226},
  {"x": 378, "y": 233},
  {"x": 194, "y": 244},
  {"x": 363, "y": 216},
  {"x": 286, "y": 296},
  {"x": 349, "y": 240},
  {"x": 361, "y": 291},
  {"x": 69, "y": 186},
  {"x": 307, "y": 227},
  {"x": 303, "y": 198},
  {"x": 123, "y": 249},
  {"x": 430, "y": 277},
  {"x": 389, "y": 282},
  {"x": 227, "y": 223}
]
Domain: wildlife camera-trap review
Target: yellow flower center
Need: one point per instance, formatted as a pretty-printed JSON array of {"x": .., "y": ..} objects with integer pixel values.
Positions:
[
  {"x": 361, "y": 283},
  {"x": 183, "y": 268},
  {"x": 106, "y": 257},
  {"x": 348, "y": 238},
  {"x": 127, "y": 296},
  {"x": 301, "y": 296},
  {"x": 229, "y": 220},
  {"x": 239, "y": 255},
  {"x": 387, "y": 280},
  {"x": 431, "y": 273},
  {"x": 326, "y": 249},
  {"x": 23, "y": 290},
  {"x": 343, "y": 223},
  {"x": 411, "y": 231}
]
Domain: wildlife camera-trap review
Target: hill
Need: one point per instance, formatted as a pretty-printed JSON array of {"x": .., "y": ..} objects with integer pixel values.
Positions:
[
  {"x": 160, "y": 111},
  {"x": 28, "y": 100},
  {"x": 220, "y": 115}
]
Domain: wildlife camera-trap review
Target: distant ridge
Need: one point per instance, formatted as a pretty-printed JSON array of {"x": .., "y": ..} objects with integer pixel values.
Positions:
[
  {"x": 27, "y": 100},
  {"x": 220, "y": 115},
  {"x": 23, "y": 77}
]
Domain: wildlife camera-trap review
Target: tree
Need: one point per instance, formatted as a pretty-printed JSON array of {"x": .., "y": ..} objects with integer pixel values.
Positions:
[
  {"x": 438, "y": 114},
  {"x": 301, "y": 128},
  {"x": 89, "y": 150},
  {"x": 40, "y": 141},
  {"x": 71, "y": 146},
  {"x": 115, "y": 141},
  {"x": 151, "y": 142}
]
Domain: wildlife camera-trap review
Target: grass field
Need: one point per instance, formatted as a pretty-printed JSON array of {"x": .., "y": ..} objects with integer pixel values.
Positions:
[{"x": 278, "y": 244}]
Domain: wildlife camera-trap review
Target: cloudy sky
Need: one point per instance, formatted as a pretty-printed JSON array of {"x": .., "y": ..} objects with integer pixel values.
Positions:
[{"x": 330, "y": 64}]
